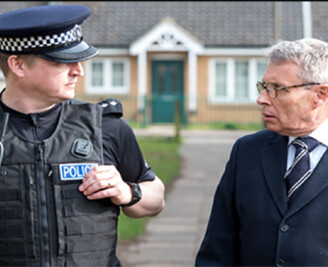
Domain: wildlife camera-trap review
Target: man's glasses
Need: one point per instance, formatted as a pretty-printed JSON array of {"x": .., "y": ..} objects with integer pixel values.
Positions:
[{"x": 272, "y": 89}]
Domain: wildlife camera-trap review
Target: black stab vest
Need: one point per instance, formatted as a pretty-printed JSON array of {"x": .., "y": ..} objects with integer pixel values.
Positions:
[{"x": 44, "y": 219}]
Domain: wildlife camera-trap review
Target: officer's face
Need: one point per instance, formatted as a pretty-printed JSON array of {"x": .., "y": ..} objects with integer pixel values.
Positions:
[
  {"x": 51, "y": 81},
  {"x": 293, "y": 110}
]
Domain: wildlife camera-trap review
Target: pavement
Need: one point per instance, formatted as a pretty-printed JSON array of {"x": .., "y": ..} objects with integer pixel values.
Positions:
[{"x": 173, "y": 237}]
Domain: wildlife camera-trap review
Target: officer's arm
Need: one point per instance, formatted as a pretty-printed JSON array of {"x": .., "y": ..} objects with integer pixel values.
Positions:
[
  {"x": 105, "y": 181},
  {"x": 151, "y": 202},
  {"x": 121, "y": 192}
]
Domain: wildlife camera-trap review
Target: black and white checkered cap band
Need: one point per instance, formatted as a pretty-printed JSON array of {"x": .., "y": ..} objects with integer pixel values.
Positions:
[{"x": 33, "y": 43}]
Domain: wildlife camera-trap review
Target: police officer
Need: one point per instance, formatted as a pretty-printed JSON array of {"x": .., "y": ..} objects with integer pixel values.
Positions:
[{"x": 67, "y": 165}]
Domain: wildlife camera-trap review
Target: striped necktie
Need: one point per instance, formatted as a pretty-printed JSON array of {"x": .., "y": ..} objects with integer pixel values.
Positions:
[{"x": 300, "y": 170}]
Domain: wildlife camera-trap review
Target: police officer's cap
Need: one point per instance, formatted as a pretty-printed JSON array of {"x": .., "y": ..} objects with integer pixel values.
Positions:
[{"x": 52, "y": 32}]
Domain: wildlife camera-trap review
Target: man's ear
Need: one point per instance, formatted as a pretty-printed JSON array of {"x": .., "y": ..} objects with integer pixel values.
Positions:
[
  {"x": 16, "y": 64},
  {"x": 321, "y": 94}
]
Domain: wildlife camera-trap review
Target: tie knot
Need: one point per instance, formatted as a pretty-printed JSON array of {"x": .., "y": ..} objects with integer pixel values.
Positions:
[{"x": 308, "y": 143}]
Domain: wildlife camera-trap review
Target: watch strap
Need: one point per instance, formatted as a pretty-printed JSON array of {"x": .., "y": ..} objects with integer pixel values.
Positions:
[{"x": 136, "y": 194}]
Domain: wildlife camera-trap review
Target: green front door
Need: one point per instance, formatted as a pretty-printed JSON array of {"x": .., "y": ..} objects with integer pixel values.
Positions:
[{"x": 167, "y": 91}]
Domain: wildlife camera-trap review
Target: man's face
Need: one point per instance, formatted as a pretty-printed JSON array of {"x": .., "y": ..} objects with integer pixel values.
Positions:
[
  {"x": 291, "y": 112},
  {"x": 52, "y": 82}
]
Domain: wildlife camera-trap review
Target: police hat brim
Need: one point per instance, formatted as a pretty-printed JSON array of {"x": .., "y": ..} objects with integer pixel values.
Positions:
[{"x": 80, "y": 52}]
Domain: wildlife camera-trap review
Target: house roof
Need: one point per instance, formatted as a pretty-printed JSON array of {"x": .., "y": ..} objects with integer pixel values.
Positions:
[{"x": 216, "y": 24}]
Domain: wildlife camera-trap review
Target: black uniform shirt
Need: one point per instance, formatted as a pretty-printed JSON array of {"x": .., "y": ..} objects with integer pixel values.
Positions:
[{"x": 119, "y": 142}]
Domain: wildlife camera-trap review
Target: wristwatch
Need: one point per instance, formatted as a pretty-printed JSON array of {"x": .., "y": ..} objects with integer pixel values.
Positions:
[{"x": 136, "y": 194}]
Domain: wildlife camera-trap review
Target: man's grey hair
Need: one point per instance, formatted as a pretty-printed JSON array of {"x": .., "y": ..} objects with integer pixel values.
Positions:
[{"x": 309, "y": 53}]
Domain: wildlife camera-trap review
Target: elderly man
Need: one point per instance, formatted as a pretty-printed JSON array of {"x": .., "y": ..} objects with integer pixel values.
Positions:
[
  {"x": 67, "y": 165},
  {"x": 270, "y": 207}
]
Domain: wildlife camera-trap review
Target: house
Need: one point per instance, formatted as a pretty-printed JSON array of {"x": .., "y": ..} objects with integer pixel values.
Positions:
[{"x": 196, "y": 60}]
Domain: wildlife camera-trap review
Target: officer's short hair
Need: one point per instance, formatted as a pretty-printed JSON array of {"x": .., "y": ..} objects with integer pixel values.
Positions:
[{"x": 29, "y": 59}]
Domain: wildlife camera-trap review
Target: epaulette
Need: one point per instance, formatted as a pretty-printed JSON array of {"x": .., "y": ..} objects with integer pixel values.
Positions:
[{"x": 111, "y": 106}]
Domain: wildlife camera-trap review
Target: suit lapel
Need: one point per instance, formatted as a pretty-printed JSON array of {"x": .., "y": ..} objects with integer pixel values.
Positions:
[
  {"x": 317, "y": 182},
  {"x": 274, "y": 157}
]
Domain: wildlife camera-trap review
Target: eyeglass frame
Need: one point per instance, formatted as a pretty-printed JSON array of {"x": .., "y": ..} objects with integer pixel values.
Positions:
[{"x": 264, "y": 86}]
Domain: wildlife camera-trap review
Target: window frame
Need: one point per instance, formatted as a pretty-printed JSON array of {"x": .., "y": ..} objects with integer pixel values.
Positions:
[
  {"x": 230, "y": 97},
  {"x": 107, "y": 87}
]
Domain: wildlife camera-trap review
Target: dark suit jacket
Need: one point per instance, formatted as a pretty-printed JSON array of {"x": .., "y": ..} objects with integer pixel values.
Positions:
[{"x": 250, "y": 222}]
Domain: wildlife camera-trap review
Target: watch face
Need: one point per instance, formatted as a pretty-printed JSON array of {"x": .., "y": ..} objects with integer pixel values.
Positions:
[{"x": 136, "y": 192}]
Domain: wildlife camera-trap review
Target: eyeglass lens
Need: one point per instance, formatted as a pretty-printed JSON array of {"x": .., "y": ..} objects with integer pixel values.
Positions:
[{"x": 270, "y": 88}]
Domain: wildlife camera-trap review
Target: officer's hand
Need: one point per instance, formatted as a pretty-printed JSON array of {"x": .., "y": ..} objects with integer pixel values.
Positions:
[{"x": 105, "y": 181}]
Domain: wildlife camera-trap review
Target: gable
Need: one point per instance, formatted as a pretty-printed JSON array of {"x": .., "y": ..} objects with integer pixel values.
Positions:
[{"x": 166, "y": 36}]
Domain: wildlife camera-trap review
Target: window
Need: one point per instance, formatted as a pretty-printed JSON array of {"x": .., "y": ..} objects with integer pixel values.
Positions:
[
  {"x": 234, "y": 80},
  {"x": 107, "y": 76},
  {"x": 221, "y": 79},
  {"x": 261, "y": 66},
  {"x": 241, "y": 80},
  {"x": 118, "y": 74},
  {"x": 2, "y": 81},
  {"x": 97, "y": 73}
]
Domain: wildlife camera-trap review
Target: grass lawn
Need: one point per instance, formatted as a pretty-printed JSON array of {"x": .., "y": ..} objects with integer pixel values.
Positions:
[{"x": 161, "y": 153}]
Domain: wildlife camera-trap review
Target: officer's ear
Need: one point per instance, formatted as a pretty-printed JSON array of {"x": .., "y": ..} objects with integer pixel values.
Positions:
[{"x": 16, "y": 65}]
